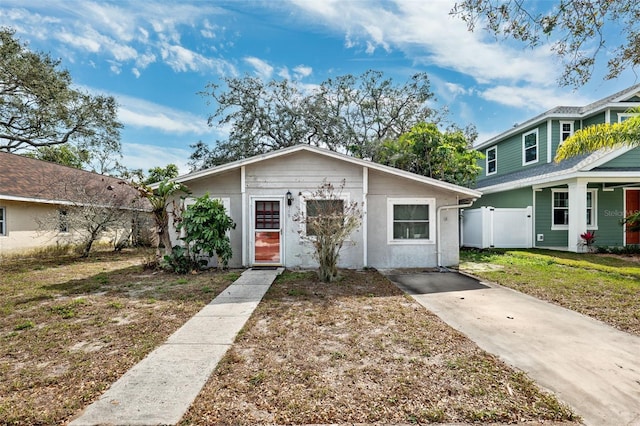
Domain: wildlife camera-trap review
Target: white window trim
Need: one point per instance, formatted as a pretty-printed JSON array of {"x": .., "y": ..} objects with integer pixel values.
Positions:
[
  {"x": 431, "y": 202},
  {"x": 345, "y": 197},
  {"x": 3, "y": 228},
  {"x": 626, "y": 115},
  {"x": 486, "y": 154},
  {"x": 537, "y": 145},
  {"x": 555, "y": 227},
  {"x": 594, "y": 208},
  {"x": 571, "y": 131}
]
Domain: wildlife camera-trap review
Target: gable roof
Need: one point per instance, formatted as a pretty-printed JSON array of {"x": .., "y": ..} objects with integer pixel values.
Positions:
[
  {"x": 580, "y": 165},
  {"x": 465, "y": 192},
  {"x": 31, "y": 180},
  {"x": 567, "y": 112}
]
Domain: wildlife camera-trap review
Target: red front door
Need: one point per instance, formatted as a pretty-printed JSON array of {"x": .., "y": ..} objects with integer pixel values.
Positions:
[
  {"x": 267, "y": 227},
  {"x": 632, "y": 205}
]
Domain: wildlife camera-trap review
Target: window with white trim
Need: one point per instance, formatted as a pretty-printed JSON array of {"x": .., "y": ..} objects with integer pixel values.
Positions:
[
  {"x": 491, "y": 155},
  {"x": 592, "y": 208},
  {"x": 325, "y": 215},
  {"x": 3, "y": 221},
  {"x": 626, "y": 115},
  {"x": 411, "y": 220},
  {"x": 560, "y": 209},
  {"x": 530, "y": 147},
  {"x": 566, "y": 130}
]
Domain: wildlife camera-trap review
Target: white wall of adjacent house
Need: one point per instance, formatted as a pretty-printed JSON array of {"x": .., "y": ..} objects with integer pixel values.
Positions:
[
  {"x": 22, "y": 233},
  {"x": 21, "y": 229}
]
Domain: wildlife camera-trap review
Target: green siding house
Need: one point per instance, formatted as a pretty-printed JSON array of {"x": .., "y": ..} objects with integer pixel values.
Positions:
[{"x": 592, "y": 192}]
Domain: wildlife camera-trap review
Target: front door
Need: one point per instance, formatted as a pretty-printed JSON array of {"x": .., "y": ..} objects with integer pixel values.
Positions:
[
  {"x": 632, "y": 205},
  {"x": 267, "y": 232}
]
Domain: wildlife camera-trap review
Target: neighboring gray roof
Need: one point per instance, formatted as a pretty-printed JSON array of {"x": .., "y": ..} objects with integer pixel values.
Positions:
[
  {"x": 565, "y": 112},
  {"x": 531, "y": 172}
]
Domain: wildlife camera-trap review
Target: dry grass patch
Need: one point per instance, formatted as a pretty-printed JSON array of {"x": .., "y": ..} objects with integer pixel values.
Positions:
[
  {"x": 70, "y": 327},
  {"x": 360, "y": 351}
]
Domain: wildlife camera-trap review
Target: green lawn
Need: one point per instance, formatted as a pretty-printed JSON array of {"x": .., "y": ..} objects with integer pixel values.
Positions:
[{"x": 604, "y": 287}]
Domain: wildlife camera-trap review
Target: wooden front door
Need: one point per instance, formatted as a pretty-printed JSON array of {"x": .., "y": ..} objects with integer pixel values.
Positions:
[
  {"x": 267, "y": 227},
  {"x": 632, "y": 205}
]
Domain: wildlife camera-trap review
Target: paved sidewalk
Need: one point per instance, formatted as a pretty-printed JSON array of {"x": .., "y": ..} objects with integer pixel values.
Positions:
[
  {"x": 161, "y": 387},
  {"x": 586, "y": 363}
]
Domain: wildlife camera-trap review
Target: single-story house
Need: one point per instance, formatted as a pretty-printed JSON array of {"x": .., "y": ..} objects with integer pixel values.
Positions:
[
  {"x": 531, "y": 201},
  {"x": 408, "y": 220},
  {"x": 35, "y": 197}
]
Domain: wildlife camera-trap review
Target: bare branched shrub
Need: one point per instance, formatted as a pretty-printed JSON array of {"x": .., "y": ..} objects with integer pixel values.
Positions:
[
  {"x": 96, "y": 207},
  {"x": 328, "y": 221}
]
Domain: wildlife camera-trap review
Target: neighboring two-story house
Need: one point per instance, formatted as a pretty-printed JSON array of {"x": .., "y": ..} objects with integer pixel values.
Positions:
[{"x": 530, "y": 201}]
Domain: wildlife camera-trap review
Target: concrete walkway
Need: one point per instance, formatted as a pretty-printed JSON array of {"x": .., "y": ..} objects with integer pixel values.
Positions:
[
  {"x": 586, "y": 363},
  {"x": 160, "y": 388}
]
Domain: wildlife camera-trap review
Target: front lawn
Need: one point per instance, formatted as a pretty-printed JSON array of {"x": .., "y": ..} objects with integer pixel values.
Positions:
[
  {"x": 70, "y": 327},
  {"x": 604, "y": 287},
  {"x": 361, "y": 352}
]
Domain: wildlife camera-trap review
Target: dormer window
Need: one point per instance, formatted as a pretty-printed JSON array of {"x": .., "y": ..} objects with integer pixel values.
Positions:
[
  {"x": 566, "y": 130},
  {"x": 530, "y": 147}
]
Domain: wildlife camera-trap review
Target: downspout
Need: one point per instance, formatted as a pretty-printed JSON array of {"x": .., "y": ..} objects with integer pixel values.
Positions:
[{"x": 438, "y": 216}]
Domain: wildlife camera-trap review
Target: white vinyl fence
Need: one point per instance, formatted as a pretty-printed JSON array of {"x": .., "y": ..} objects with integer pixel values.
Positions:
[{"x": 497, "y": 227}]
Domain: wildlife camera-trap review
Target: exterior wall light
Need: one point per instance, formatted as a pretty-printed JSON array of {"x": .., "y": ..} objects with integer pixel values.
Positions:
[{"x": 289, "y": 198}]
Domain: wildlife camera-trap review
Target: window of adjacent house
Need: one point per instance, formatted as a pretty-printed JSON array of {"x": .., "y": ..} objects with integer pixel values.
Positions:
[
  {"x": 3, "y": 227},
  {"x": 530, "y": 147},
  {"x": 591, "y": 209},
  {"x": 411, "y": 220},
  {"x": 324, "y": 214},
  {"x": 625, "y": 116},
  {"x": 566, "y": 130},
  {"x": 561, "y": 209},
  {"x": 492, "y": 160},
  {"x": 63, "y": 221}
]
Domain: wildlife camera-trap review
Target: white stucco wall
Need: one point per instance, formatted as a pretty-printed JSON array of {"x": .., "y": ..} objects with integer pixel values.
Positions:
[{"x": 303, "y": 172}]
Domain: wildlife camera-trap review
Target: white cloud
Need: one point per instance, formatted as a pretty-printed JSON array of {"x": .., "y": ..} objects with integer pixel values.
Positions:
[
  {"x": 532, "y": 98},
  {"x": 262, "y": 68},
  {"x": 426, "y": 33},
  {"x": 145, "y": 156},
  {"x": 302, "y": 71},
  {"x": 140, "y": 113},
  {"x": 181, "y": 59}
]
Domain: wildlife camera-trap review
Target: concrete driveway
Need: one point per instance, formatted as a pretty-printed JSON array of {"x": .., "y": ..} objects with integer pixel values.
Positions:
[{"x": 589, "y": 365}]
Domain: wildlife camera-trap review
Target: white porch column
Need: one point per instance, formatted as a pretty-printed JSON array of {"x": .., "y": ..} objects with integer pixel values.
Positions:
[{"x": 577, "y": 214}]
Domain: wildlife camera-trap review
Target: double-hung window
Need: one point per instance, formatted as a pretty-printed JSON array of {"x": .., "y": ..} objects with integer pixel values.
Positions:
[
  {"x": 530, "y": 147},
  {"x": 411, "y": 220},
  {"x": 3, "y": 221},
  {"x": 560, "y": 209},
  {"x": 324, "y": 216},
  {"x": 566, "y": 130},
  {"x": 492, "y": 160}
]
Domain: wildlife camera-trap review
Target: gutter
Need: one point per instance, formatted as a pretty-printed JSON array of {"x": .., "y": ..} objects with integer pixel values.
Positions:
[{"x": 438, "y": 216}]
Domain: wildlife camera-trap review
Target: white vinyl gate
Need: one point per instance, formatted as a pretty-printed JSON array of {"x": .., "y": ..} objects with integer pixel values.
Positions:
[{"x": 497, "y": 227}]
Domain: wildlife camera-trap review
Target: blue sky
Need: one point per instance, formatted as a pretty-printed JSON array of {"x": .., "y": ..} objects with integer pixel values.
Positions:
[{"x": 154, "y": 57}]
